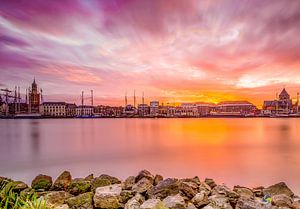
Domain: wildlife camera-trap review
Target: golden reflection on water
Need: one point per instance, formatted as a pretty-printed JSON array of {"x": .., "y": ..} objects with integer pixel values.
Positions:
[{"x": 254, "y": 151}]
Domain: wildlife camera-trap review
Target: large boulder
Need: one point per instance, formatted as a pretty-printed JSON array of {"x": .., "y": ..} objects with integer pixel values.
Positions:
[
  {"x": 174, "y": 202},
  {"x": 280, "y": 188},
  {"x": 158, "y": 178},
  {"x": 99, "y": 182},
  {"x": 142, "y": 185},
  {"x": 244, "y": 192},
  {"x": 225, "y": 191},
  {"x": 200, "y": 199},
  {"x": 63, "y": 206},
  {"x": 135, "y": 202},
  {"x": 89, "y": 177},
  {"x": 62, "y": 182},
  {"x": 153, "y": 204},
  {"x": 108, "y": 197},
  {"x": 57, "y": 198},
  {"x": 15, "y": 186},
  {"x": 191, "y": 206},
  {"x": 205, "y": 187},
  {"x": 125, "y": 195},
  {"x": 79, "y": 186},
  {"x": 128, "y": 183},
  {"x": 42, "y": 183},
  {"x": 167, "y": 187},
  {"x": 188, "y": 188},
  {"x": 282, "y": 200},
  {"x": 252, "y": 204},
  {"x": 113, "y": 180},
  {"x": 144, "y": 174},
  {"x": 210, "y": 182},
  {"x": 258, "y": 191},
  {"x": 296, "y": 203},
  {"x": 218, "y": 202},
  {"x": 82, "y": 201}
]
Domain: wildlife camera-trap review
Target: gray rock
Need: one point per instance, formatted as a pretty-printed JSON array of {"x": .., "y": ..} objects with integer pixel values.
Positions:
[
  {"x": 144, "y": 174},
  {"x": 82, "y": 201},
  {"x": 191, "y": 206},
  {"x": 57, "y": 198},
  {"x": 90, "y": 177},
  {"x": 167, "y": 187},
  {"x": 64, "y": 206},
  {"x": 225, "y": 191},
  {"x": 142, "y": 185},
  {"x": 252, "y": 204},
  {"x": 135, "y": 202},
  {"x": 200, "y": 199},
  {"x": 282, "y": 200},
  {"x": 153, "y": 204},
  {"x": 99, "y": 182},
  {"x": 42, "y": 182},
  {"x": 258, "y": 191},
  {"x": 244, "y": 192},
  {"x": 113, "y": 180},
  {"x": 280, "y": 188},
  {"x": 62, "y": 182},
  {"x": 210, "y": 182},
  {"x": 174, "y": 202},
  {"x": 15, "y": 186},
  {"x": 195, "y": 180},
  {"x": 205, "y": 187},
  {"x": 188, "y": 188},
  {"x": 128, "y": 183},
  {"x": 158, "y": 178},
  {"x": 79, "y": 186},
  {"x": 125, "y": 195},
  {"x": 218, "y": 202},
  {"x": 108, "y": 197}
]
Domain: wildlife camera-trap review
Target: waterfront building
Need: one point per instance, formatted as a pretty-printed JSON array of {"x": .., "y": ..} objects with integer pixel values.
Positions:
[
  {"x": 188, "y": 110},
  {"x": 34, "y": 98},
  {"x": 107, "y": 111},
  {"x": 204, "y": 108},
  {"x": 53, "y": 109},
  {"x": 84, "y": 110},
  {"x": 154, "y": 108},
  {"x": 3, "y": 107},
  {"x": 238, "y": 108},
  {"x": 143, "y": 110},
  {"x": 70, "y": 110},
  {"x": 283, "y": 104},
  {"x": 129, "y": 110}
]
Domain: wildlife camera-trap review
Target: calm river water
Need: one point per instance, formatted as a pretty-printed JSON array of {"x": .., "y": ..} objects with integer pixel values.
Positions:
[{"x": 251, "y": 152}]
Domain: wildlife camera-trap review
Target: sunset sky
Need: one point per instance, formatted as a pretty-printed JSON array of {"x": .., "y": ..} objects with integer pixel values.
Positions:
[{"x": 174, "y": 51}]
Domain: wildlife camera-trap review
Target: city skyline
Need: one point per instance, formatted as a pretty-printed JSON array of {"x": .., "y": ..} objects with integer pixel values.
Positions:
[
  {"x": 184, "y": 51},
  {"x": 128, "y": 99}
]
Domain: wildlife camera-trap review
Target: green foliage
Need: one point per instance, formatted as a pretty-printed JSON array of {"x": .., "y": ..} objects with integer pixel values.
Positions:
[{"x": 13, "y": 200}]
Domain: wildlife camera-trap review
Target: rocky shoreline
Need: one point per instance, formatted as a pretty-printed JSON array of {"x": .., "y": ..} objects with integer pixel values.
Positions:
[{"x": 148, "y": 191}]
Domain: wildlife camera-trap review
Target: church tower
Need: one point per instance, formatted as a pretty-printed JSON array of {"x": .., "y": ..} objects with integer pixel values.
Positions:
[{"x": 34, "y": 98}]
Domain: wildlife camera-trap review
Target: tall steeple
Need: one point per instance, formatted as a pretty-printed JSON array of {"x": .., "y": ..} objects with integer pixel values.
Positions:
[{"x": 34, "y": 86}]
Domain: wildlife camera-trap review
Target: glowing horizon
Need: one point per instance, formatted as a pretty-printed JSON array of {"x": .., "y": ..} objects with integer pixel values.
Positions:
[{"x": 174, "y": 51}]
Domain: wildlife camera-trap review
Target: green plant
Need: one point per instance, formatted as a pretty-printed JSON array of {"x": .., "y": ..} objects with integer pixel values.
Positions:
[{"x": 13, "y": 200}]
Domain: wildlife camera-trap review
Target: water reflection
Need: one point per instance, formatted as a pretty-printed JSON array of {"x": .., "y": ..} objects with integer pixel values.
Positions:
[
  {"x": 236, "y": 151},
  {"x": 34, "y": 136}
]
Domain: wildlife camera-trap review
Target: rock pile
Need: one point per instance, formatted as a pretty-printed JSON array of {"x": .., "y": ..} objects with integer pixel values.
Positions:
[{"x": 148, "y": 191}]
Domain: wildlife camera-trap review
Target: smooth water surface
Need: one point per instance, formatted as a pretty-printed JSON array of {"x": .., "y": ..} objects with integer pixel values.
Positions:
[{"x": 251, "y": 152}]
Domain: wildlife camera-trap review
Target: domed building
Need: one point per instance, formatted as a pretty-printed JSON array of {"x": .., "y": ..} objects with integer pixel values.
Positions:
[{"x": 281, "y": 105}]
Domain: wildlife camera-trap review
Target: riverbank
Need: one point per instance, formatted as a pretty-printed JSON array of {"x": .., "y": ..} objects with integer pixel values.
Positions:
[{"x": 146, "y": 191}]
